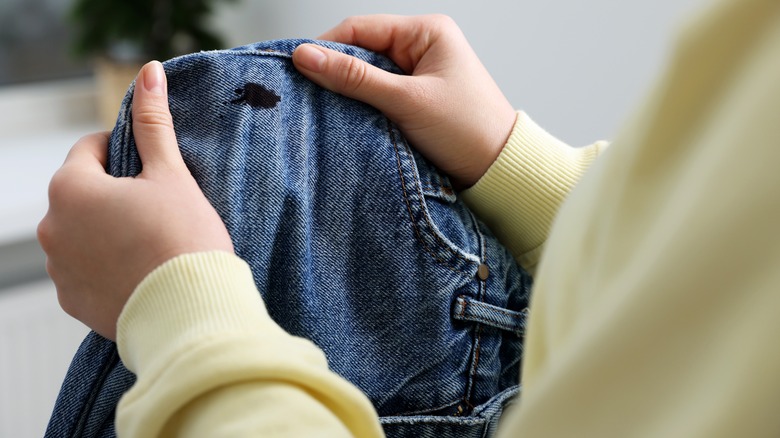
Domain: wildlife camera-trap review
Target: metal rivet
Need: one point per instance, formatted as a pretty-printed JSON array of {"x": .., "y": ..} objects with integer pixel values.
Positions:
[{"x": 483, "y": 272}]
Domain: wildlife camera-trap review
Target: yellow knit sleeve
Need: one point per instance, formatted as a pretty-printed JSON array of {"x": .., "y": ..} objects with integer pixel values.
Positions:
[
  {"x": 520, "y": 194},
  {"x": 211, "y": 362}
]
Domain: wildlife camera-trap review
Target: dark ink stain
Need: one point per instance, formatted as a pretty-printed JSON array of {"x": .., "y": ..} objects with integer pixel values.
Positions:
[{"x": 256, "y": 96}]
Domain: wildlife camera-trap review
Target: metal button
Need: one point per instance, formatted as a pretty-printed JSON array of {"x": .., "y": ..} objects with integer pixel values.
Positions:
[{"x": 483, "y": 272}]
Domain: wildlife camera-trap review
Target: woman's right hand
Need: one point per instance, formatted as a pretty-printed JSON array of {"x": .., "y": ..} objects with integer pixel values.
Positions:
[{"x": 448, "y": 106}]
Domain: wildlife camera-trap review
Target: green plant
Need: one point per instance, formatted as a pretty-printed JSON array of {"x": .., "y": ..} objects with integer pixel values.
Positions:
[{"x": 143, "y": 29}]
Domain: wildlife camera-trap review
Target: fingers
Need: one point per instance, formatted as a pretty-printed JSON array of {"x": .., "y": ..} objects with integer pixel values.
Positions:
[
  {"x": 152, "y": 122},
  {"x": 403, "y": 39},
  {"x": 348, "y": 75},
  {"x": 372, "y": 32},
  {"x": 392, "y": 35},
  {"x": 90, "y": 152},
  {"x": 82, "y": 173}
]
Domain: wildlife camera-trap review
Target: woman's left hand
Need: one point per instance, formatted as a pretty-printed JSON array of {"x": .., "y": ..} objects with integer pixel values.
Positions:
[{"x": 102, "y": 235}]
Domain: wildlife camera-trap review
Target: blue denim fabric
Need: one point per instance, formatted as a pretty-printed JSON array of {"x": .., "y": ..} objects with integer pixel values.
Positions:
[{"x": 355, "y": 242}]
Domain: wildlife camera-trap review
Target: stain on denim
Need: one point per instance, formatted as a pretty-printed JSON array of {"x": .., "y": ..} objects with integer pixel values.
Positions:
[{"x": 257, "y": 96}]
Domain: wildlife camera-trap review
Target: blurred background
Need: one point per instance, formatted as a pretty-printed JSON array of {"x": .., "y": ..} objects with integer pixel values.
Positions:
[{"x": 578, "y": 67}]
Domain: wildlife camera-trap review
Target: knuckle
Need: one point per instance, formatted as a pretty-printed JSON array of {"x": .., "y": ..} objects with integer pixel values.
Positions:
[
  {"x": 63, "y": 298},
  {"x": 59, "y": 186},
  {"x": 443, "y": 24},
  {"x": 442, "y": 19},
  {"x": 152, "y": 116},
  {"x": 353, "y": 73},
  {"x": 94, "y": 137},
  {"x": 349, "y": 24},
  {"x": 44, "y": 233},
  {"x": 85, "y": 138},
  {"x": 48, "y": 267},
  {"x": 66, "y": 304},
  {"x": 69, "y": 192}
]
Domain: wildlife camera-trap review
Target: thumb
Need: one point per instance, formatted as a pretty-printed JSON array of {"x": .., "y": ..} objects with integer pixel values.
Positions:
[
  {"x": 152, "y": 122},
  {"x": 349, "y": 76}
]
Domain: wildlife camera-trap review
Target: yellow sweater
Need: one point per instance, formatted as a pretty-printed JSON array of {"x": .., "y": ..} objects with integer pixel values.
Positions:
[{"x": 656, "y": 299}]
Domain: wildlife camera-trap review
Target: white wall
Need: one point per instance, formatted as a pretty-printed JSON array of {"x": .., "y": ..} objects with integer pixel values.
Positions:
[{"x": 577, "y": 66}]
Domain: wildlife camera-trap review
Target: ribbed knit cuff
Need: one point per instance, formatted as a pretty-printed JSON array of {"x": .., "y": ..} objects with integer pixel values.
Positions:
[
  {"x": 190, "y": 297},
  {"x": 520, "y": 194}
]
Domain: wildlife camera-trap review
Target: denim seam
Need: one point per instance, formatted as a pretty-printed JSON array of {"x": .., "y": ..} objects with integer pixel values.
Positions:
[
  {"x": 427, "y": 218},
  {"x": 469, "y": 379},
  {"x": 458, "y": 421},
  {"x": 474, "y": 365},
  {"x": 412, "y": 216},
  {"x": 83, "y": 418},
  {"x": 426, "y": 411}
]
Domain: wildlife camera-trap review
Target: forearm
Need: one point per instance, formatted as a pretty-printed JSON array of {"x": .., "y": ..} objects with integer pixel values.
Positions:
[
  {"x": 197, "y": 335},
  {"x": 520, "y": 194}
]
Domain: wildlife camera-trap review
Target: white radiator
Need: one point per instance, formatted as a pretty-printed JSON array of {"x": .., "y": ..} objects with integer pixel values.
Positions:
[{"x": 37, "y": 342}]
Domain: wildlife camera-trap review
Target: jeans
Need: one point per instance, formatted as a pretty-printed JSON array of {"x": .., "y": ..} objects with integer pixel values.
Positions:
[{"x": 355, "y": 242}]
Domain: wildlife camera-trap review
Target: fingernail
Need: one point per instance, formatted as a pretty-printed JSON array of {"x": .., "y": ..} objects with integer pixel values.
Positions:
[
  {"x": 154, "y": 77},
  {"x": 311, "y": 57}
]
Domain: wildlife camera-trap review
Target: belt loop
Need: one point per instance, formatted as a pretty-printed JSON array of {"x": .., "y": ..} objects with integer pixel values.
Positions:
[{"x": 468, "y": 309}]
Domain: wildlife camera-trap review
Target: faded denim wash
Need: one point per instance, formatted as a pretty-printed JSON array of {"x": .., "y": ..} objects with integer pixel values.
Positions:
[{"x": 355, "y": 242}]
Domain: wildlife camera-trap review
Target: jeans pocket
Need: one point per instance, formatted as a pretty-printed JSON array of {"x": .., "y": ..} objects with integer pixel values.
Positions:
[{"x": 443, "y": 225}]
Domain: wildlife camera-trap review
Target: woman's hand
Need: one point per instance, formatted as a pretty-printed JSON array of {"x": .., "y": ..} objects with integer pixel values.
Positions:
[
  {"x": 448, "y": 107},
  {"x": 102, "y": 235}
]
